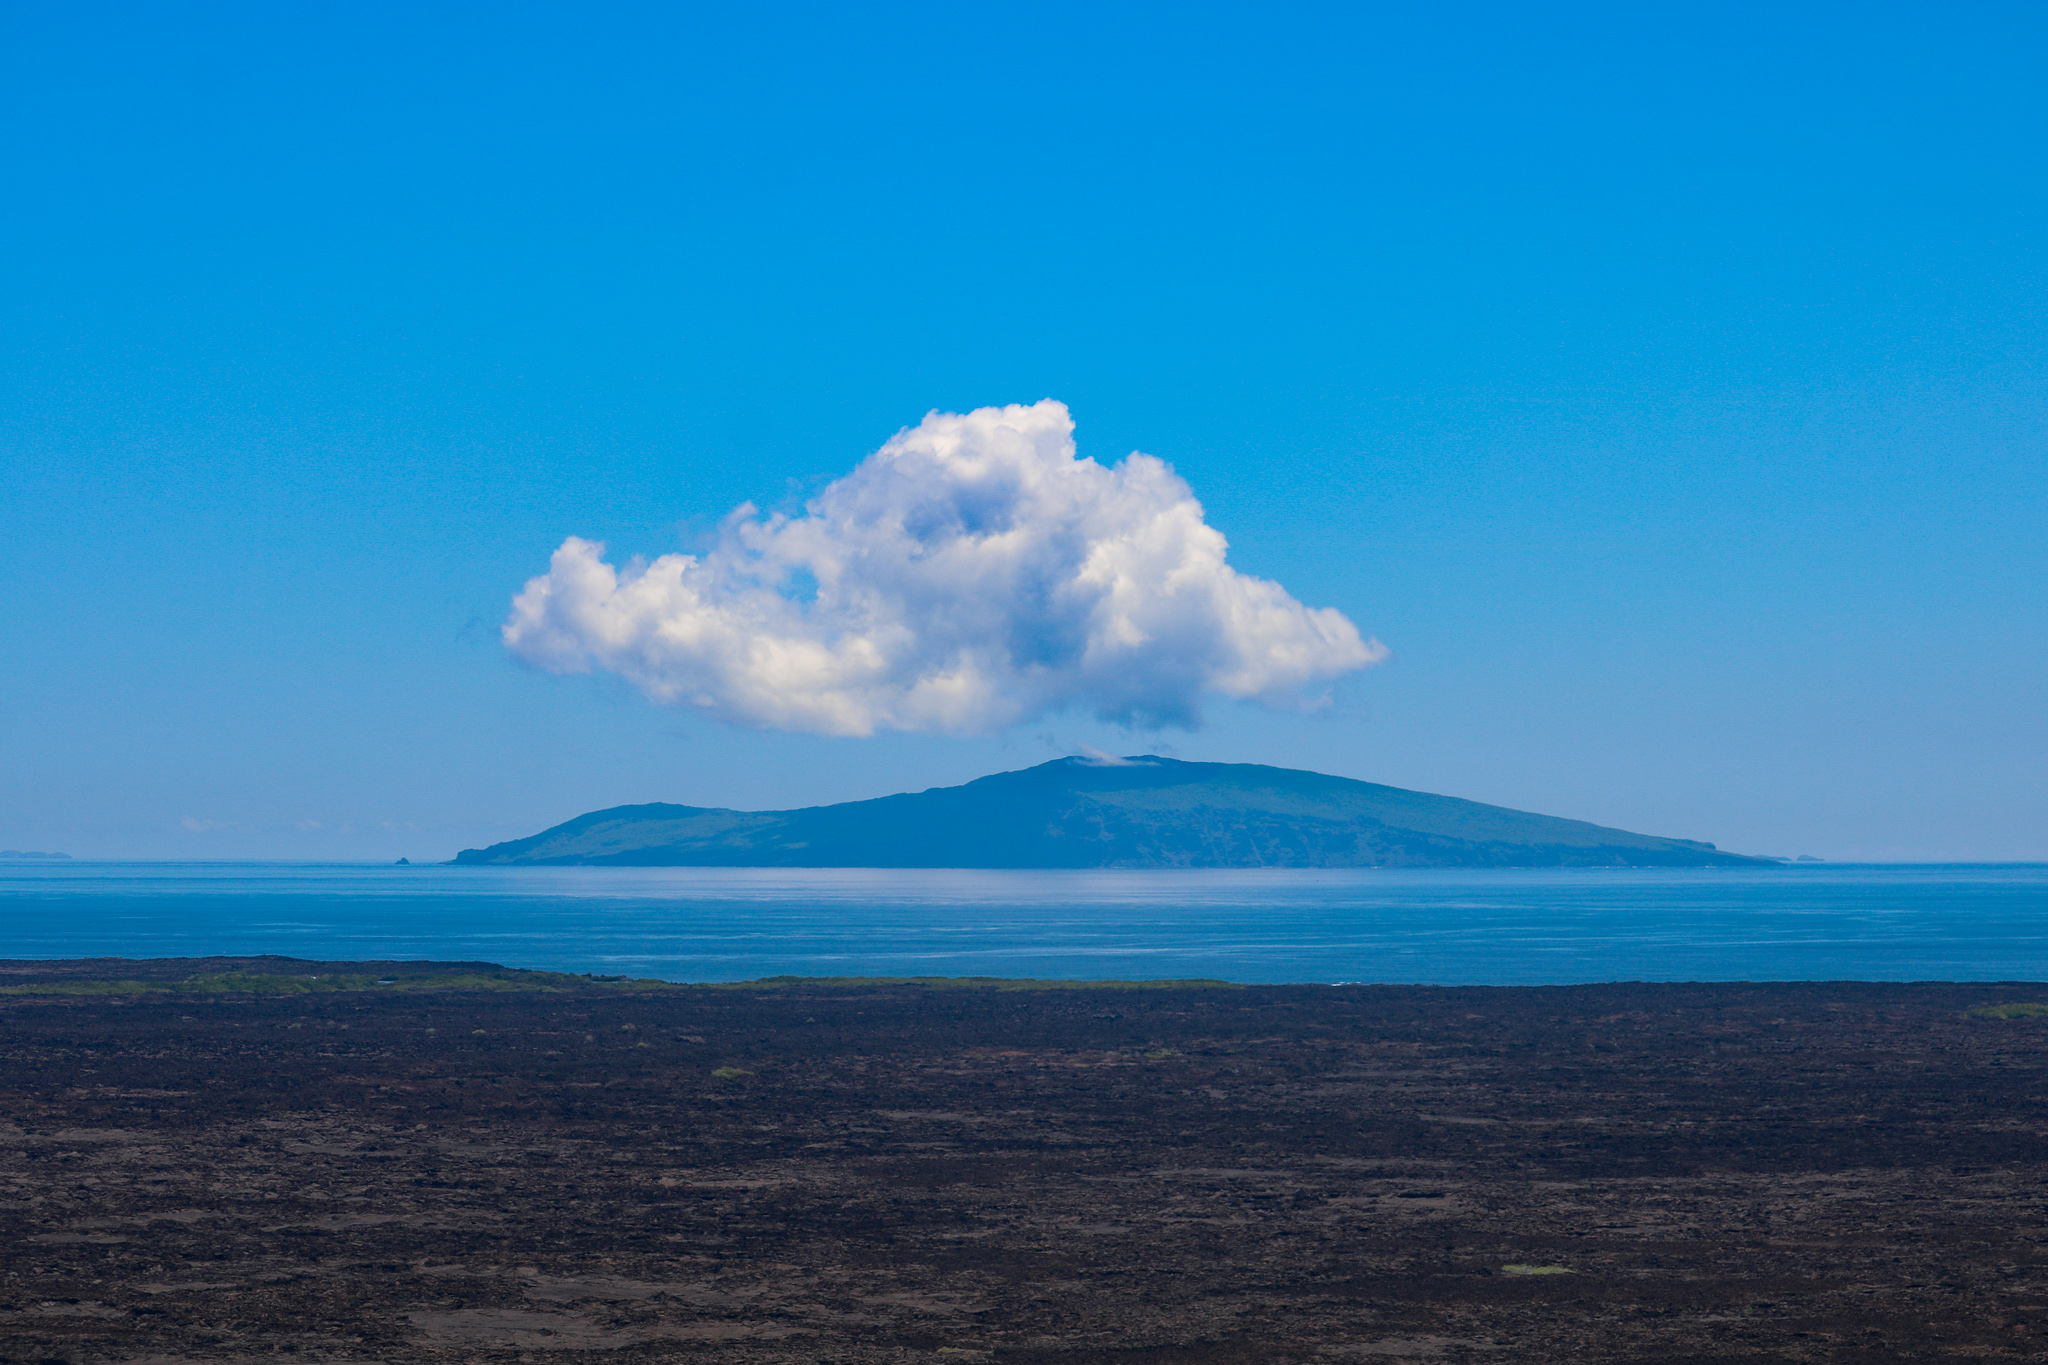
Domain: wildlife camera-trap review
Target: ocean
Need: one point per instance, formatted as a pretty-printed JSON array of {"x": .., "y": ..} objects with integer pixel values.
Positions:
[{"x": 1442, "y": 926}]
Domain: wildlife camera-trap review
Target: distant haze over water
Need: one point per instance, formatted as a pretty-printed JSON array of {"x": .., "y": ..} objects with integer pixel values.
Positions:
[{"x": 1448, "y": 926}]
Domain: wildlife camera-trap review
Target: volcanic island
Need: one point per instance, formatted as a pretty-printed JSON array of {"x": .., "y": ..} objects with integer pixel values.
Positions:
[{"x": 1142, "y": 811}]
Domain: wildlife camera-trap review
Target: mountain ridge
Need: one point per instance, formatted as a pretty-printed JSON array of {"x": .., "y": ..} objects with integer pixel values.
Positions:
[{"x": 1134, "y": 812}]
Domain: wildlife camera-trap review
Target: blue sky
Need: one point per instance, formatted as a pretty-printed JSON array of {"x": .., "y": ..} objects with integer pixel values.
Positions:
[{"x": 1662, "y": 386}]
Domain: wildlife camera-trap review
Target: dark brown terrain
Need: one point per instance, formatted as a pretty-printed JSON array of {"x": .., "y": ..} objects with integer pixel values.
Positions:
[{"x": 470, "y": 1164}]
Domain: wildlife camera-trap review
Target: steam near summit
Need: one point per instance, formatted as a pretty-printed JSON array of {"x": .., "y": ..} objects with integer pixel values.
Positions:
[{"x": 971, "y": 574}]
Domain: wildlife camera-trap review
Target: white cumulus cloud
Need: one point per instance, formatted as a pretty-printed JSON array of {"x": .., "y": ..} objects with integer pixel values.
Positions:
[{"x": 970, "y": 574}]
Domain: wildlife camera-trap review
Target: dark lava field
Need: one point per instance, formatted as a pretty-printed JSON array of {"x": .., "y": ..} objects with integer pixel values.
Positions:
[{"x": 264, "y": 1159}]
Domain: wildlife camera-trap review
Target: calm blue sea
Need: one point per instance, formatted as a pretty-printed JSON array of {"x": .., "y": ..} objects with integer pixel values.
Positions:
[{"x": 688, "y": 924}]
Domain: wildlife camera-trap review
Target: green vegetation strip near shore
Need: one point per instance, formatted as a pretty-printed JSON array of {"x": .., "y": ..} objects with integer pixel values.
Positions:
[
  {"x": 512, "y": 979},
  {"x": 2026, "y": 1009},
  {"x": 278, "y": 983},
  {"x": 971, "y": 983}
]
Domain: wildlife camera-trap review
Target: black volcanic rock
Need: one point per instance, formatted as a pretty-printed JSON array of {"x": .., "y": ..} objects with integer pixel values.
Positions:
[
  {"x": 1132, "y": 813},
  {"x": 263, "y": 1160}
]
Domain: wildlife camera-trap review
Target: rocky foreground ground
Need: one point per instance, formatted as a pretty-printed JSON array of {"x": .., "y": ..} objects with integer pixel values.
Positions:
[{"x": 263, "y": 1159}]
